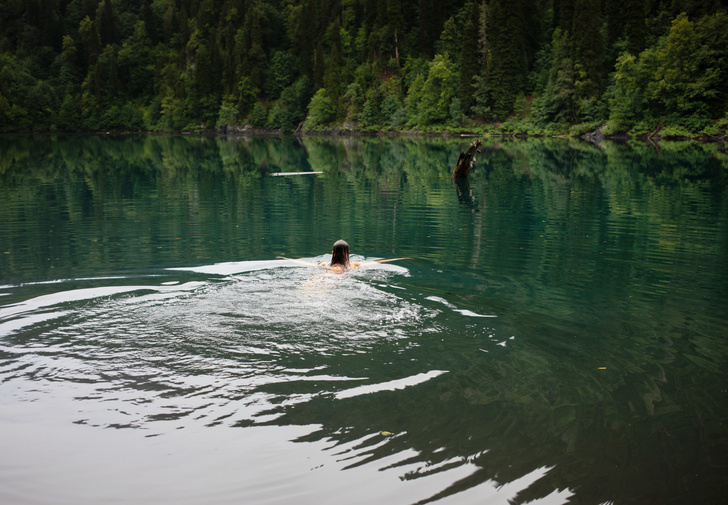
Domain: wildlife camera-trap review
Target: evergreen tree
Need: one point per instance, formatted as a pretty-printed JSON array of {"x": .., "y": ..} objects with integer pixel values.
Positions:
[
  {"x": 332, "y": 79},
  {"x": 678, "y": 85},
  {"x": 254, "y": 58},
  {"x": 588, "y": 49},
  {"x": 308, "y": 38},
  {"x": 397, "y": 27},
  {"x": 150, "y": 23},
  {"x": 69, "y": 74},
  {"x": 89, "y": 44},
  {"x": 469, "y": 57},
  {"x": 69, "y": 118},
  {"x": 634, "y": 24},
  {"x": 450, "y": 42},
  {"x": 318, "y": 70},
  {"x": 282, "y": 72},
  {"x": 429, "y": 28},
  {"x": 626, "y": 19},
  {"x": 136, "y": 67},
  {"x": 563, "y": 14},
  {"x": 509, "y": 62},
  {"x": 558, "y": 102},
  {"x": 711, "y": 59},
  {"x": 197, "y": 63},
  {"x": 107, "y": 24}
]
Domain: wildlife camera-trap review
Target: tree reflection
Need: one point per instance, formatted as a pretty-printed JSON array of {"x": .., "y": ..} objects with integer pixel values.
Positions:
[{"x": 605, "y": 263}]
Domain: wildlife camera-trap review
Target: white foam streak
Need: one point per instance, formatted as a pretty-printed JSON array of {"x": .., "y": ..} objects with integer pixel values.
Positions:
[
  {"x": 390, "y": 385},
  {"x": 470, "y": 313},
  {"x": 236, "y": 267},
  {"x": 74, "y": 295},
  {"x": 449, "y": 305}
]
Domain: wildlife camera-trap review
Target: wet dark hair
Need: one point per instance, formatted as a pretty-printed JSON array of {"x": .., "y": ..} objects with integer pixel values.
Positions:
[{"x": 340, "y": 254}]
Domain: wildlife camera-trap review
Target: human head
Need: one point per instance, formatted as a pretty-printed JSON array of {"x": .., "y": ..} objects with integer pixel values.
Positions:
[{"x": 340, "y": 253}]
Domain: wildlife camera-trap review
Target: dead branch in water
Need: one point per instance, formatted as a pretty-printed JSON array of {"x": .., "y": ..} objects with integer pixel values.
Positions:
[{"x": 466, "y": 160}]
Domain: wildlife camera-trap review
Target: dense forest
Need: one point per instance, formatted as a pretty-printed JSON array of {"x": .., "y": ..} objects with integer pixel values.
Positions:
[{"x": 641, "y": 67}]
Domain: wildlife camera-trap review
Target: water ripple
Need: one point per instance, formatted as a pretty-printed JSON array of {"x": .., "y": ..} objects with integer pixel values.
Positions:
[{"x": 201, "y": 351}]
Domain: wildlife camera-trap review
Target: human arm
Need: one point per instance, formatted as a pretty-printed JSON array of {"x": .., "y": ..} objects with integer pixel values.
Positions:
[
  {"x": 382, "y": 261},
  {"x": 390, "y": 259}
]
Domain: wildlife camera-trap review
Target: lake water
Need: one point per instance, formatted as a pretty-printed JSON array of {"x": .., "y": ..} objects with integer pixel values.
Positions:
[{"x": 559, "y": 335}]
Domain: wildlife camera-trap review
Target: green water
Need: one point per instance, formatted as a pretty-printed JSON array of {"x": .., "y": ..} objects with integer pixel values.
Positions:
[{"x": 559, "y": 334}]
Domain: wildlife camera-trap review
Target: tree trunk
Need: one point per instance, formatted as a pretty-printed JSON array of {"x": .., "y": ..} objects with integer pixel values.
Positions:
[{"x": 466, "y": 160}]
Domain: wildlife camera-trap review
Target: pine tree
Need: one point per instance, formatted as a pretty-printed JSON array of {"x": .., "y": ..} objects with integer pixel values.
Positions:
[
  {"x": 626, "y": 19},
  {"x": 469, "y": 57},
  {"x": 564, "y": 14},
  {"x": 676, "y": 74},
  {"x": 89, "y": 44},
  {"x": 509, "y": 62},
  {"x": 150, "y": 23},
  {"x": 334, "y": 62},
  {"x": 107, "y": 24},
  {"x": 560, "y": 95},
  {"x": 712, "y": 62},
  {"x": 308, "y": 39},
  {"x": 318, "y": 67},
  {"x": 429, "y": 30},
  {"x": 254, "y": 59},
  {"x": 588, "y": 49},
  {"x": 634, "y": 25},
  {"x": 397, "y": 27}
]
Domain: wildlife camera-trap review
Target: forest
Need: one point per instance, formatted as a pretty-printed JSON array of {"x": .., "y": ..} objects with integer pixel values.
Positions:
[{"x": 536, "y": 67}]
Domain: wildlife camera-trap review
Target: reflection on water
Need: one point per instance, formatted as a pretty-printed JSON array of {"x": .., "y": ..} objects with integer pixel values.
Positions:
[{"x": 559, "y": 334}]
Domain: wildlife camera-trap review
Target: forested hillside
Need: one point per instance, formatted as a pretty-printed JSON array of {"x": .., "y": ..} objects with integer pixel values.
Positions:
[{"x": 535, "y": 66}]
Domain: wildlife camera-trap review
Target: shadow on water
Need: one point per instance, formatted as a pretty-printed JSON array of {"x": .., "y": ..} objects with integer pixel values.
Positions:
[{"x": 559, "y": 335}]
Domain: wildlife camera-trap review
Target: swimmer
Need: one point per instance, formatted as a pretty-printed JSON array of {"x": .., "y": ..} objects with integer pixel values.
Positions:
[
  {"x": 340, "y": 258},
  {"x": 340, "y": 262}
]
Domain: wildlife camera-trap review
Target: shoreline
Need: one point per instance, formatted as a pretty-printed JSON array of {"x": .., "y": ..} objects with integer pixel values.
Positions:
[{"x": 594, "y": 137}]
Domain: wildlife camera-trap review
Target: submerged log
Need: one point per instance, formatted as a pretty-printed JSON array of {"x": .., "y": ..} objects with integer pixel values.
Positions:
[
  {"x": 465, "y": 194},
  {"x": 466, "y": 160}
]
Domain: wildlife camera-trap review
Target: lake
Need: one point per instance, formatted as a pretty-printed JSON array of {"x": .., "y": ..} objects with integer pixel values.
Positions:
[{"x": 558, "y": 335}]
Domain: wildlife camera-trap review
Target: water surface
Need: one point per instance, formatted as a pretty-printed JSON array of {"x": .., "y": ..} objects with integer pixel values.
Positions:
[{"x": 558, "y": 335}]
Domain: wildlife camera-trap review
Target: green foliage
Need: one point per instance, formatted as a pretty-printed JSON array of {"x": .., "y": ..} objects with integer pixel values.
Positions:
[
  {"x": 672, "y": 85},
  {"x": 283, "y": 72},
  {"x": 258, "y": 116},
  {"x": 429, "y": 99},
  {"x": 627, "y": 99},
  {"x": 674, "y": 131},
  {"x": 228, "y": 114},
  {"x": 721, "y": 126},
  {"x": 172, "y": 113},
  {"x": 15, "y": 81},
  {"x": 469, "y": 58},
  {"x": 69, "y": 118},
  {"x": 449, "y": 44},
  {"x": 393, "y": 112},
  {"x": 172, "y": 65},
  {"x": 370, "y": 114},
  {"x": 131, "y": 118},
  {"x": 289, "y": 112},
  {"x": 588, "y": 47},
  {"x": 321, "y": 110},
  {"x": 512, "y": 49},
  {"x": 558, "y": 101},
  {"x": 353, "y": 101},
  {"x": 247, "y": 95}
]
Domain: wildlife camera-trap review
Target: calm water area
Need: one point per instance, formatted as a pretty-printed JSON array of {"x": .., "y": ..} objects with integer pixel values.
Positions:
[{"x": 558, "y": 335}]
